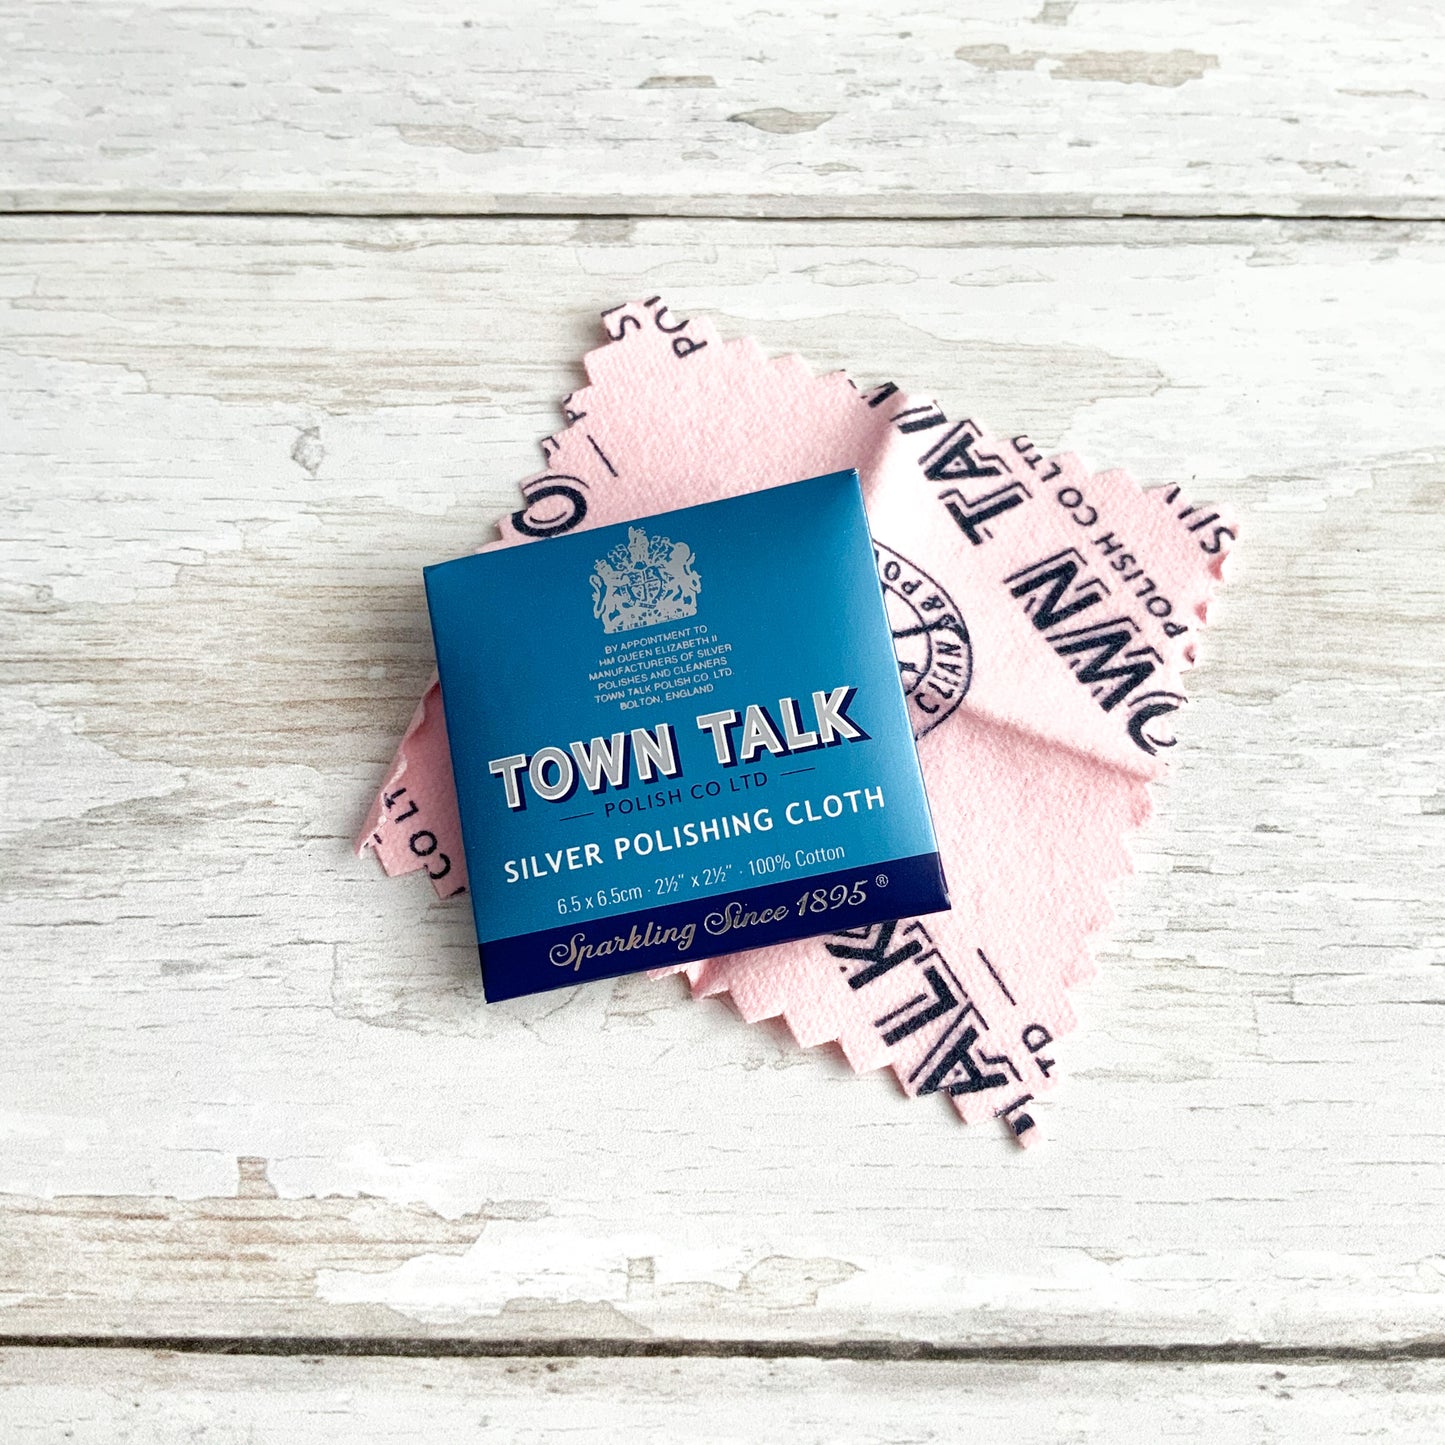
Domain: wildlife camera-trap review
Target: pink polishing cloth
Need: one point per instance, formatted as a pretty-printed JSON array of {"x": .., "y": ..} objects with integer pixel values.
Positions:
[{"x": 1042, "y": 617}]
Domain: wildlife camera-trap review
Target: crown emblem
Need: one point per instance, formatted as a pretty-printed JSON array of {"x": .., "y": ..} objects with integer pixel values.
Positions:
[{"x": 644, "y": 581}]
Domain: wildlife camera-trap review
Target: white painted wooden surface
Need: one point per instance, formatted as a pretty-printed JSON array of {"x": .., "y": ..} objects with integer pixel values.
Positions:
[
  {"x": 248, "y": 1088},
  {"x": 109, "y": 1397},
  {"x": 231, "y": 446},
  {"x": 1004, "y": 107}
]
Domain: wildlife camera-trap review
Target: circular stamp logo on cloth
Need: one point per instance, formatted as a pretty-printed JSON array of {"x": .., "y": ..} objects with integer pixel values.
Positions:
[{"x": 935, "y": 657}]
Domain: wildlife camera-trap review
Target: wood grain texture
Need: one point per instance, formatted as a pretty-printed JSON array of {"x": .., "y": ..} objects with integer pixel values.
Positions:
[
  {"x": 115, "y": 1397},
  {"x": 1018, "y": 107},
  {"x": 250, "y": 1087},
  {"x": 140, "y": 1398}
]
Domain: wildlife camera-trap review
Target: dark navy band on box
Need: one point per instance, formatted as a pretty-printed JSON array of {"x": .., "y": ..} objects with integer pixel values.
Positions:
[{"x": 679, "y": 737}]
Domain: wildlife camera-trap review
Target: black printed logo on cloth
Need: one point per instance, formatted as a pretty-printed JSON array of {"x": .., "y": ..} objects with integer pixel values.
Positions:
[
  {"x": 551, "y": 505},
  {"x": 940, "y": 1007},
  {"x": 935, "y": 657}
]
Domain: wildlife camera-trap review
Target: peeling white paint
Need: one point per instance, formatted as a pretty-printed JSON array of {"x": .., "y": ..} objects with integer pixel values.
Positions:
[
  {"x": 49, "y": 771},
  {"x": 551, "y": 1262},
  {"x": 1191, "y": 109}
]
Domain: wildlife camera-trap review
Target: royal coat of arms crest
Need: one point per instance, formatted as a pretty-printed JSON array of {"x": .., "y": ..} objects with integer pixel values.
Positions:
[{"x": 644, "y": 581}]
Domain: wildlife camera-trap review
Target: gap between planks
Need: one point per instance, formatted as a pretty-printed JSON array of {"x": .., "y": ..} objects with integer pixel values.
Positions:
[
  {"x": 601, "y": 1347},
  {"x": 1427, "y": 216}
]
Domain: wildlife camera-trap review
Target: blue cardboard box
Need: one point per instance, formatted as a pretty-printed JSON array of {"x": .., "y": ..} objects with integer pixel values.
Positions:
[{"x": 680, "y": 737}]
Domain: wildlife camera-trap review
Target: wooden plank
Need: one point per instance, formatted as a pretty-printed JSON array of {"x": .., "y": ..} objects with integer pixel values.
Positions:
[
  {"x": 250, "y": 1087},
  {"x": 98, "y": 1397},
  {"x": 1019, "y": 107}
]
